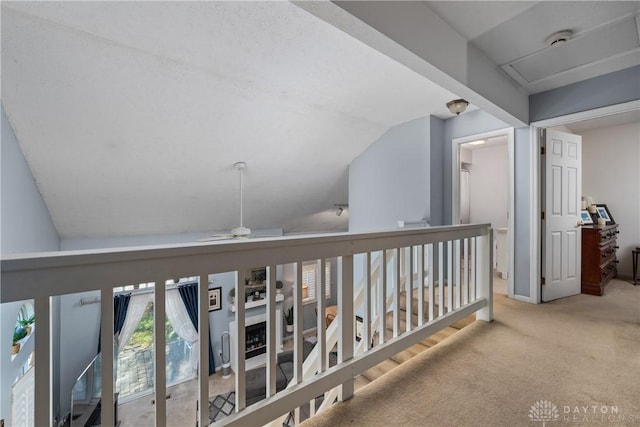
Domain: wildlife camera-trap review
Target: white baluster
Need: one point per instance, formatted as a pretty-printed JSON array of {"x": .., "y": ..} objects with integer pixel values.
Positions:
[
  {"x": 43, "y": 413},
  {"x": 159, "y": 354},
  {"x": 106, "y": 348}
]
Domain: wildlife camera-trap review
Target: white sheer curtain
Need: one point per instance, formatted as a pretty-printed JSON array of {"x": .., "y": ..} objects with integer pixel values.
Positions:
[
  {"x": 181, "y": 322},
  {"x": 135, "y": 310}
]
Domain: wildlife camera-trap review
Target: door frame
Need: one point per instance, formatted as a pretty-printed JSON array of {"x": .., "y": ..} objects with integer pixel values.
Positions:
[
  {"x": 536, "y": 176},
  {"x": 455, "y": 190}
]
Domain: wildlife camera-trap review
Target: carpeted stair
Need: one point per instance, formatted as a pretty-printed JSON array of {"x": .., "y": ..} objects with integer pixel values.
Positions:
[{"x": 399, "y": 358}]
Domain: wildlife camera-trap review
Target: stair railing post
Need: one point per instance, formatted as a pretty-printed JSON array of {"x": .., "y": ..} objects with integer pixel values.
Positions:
[{"x": 484, "y": 274}]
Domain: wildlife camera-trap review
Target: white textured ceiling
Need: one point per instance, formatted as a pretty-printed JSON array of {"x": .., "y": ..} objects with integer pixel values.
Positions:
[
  {"x": 513, "y": 35},
  {"x": 132, "y": 114}
]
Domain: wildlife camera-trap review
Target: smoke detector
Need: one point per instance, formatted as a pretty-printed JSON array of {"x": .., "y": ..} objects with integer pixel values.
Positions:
[{"x": 561, "y": 37}]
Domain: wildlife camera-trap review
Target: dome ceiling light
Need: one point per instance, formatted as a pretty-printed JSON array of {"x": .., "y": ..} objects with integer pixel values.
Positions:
[{"x": 457, "y": 106}]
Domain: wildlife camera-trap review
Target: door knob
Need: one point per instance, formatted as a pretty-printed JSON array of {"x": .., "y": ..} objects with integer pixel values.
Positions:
[{"x": 579, "y": 223}]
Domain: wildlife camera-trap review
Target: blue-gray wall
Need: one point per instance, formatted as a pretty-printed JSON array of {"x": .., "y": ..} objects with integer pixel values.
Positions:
[
  {"x": 436, "y": 141},
  {"x": 390, "y": 180},
  {"x": 78, "y": 331},
  {"x": 602, "y": 91},
  {"x": 522, "y": 205},
  {"x": 472, "y": 123},
  {"x": 466, "y": 124},
  {"x": 26, "y": 225},
  {"x": 392, "y": 171}
]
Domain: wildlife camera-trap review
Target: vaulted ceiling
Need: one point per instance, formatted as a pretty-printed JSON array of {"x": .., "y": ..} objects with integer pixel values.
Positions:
[{"x": 132, "y": 114}]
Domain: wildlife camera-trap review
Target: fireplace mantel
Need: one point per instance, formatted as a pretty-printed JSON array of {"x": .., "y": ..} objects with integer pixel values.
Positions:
[{"x": 253, "y": 304}]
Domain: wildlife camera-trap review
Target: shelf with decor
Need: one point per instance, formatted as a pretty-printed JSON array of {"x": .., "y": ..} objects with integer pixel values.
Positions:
[{"x": 257, "y": 303}]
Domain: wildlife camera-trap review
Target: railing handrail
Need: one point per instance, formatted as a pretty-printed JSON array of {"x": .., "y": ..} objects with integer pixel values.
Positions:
[
  {"x": 27, "y": 276},
  {"x": 40, "y": 276}
]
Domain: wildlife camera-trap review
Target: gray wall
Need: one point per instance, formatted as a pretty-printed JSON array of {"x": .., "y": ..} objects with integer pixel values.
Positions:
[
  {"x": 437, "y": 170},
  {"x": 375, "y": 169},
  {"x": 466, "y": 124},
  {"x": 609, "y": 89},
  {"x": 522, "y": 236},
  {"x": 476, "y": 122},
  {"x": 219, "y": 320},
  {"x": 79, "y": 329},
  {"x": 26, "y": 225},
  {"x": 390, "y": 181},
  {"x": 623, "y": 151}
]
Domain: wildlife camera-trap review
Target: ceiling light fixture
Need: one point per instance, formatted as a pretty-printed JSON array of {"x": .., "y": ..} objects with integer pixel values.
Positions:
[
  {"x": 478, "y": 142},
  {"x": 561, "y": 37},
  {"x": 457, "y": 106},
  {"x": 340, "y": 208}
]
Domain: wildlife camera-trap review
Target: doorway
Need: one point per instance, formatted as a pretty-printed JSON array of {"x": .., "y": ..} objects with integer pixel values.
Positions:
[
  {"x": 475, "y": 199},
  {"x": 536, "y": 128}
]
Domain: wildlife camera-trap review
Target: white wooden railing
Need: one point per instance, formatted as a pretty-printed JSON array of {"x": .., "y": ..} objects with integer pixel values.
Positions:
[{"x": 449, "y": 270}]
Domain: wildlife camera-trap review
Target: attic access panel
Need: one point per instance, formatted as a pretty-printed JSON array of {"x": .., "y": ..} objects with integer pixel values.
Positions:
[{"x": 604, "y": 44}]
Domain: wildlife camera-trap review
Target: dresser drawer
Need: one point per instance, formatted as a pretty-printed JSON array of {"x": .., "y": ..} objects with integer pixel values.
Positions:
[
  {"x": 599, "y": 262},
  {"x": 608, "y": 251}
]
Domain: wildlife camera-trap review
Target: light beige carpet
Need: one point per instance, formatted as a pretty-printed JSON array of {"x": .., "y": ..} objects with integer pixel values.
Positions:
[{"x": 579, "y": 355}]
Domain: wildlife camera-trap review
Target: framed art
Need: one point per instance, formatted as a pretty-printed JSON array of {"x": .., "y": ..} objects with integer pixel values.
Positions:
[
  {"x": 257, "y": 275},
  {"x": 603, "y": 212},
  {"x": 585, "y": 217},
  {"x": 215, "y": 302}
]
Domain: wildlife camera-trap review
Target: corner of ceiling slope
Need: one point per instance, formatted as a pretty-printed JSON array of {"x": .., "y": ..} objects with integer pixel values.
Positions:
[{"x": 459, "y": 67}]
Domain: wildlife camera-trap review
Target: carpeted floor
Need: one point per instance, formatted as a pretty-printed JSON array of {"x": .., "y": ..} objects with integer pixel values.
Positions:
[{"x": 575, "y": 360}]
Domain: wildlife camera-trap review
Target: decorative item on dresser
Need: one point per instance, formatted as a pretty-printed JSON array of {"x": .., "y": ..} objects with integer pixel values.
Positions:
[{"x": 599, "y": 262}]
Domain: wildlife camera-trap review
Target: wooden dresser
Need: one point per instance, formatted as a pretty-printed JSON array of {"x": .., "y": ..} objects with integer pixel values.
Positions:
[{"x": 599, "y": 263}]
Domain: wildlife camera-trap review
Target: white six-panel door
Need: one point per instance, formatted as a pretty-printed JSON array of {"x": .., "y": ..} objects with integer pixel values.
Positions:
[{"x": 562, "y": 234}]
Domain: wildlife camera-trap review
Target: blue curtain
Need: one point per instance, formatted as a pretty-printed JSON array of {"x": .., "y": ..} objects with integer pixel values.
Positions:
[
  {"x": 120, "y": 306},
  {"x": 189, "y": 294}
]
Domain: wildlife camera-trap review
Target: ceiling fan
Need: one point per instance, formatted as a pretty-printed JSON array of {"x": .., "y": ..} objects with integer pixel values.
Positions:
[{"x": 240, "y": 232}]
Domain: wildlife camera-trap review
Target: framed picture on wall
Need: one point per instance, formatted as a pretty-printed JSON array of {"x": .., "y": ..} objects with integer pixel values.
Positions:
[
  {"x": 585, "y": 217},
  {"x": 603, "y": 212},
  {"x": 215, "y": 302}
]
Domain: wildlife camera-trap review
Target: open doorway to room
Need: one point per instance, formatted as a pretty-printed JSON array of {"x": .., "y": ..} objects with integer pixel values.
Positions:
[
  {"x": 483, "y": 186},
  {"x": 609, "y": 176}
]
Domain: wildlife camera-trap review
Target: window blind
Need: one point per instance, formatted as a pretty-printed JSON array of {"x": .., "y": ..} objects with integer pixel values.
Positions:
[{"x": 309, "y": 275}]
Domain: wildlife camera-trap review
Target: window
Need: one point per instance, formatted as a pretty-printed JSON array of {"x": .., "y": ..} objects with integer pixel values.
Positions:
[
  {"x": 309, "y": 274},
  {"x": 135, "y": 361}
]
